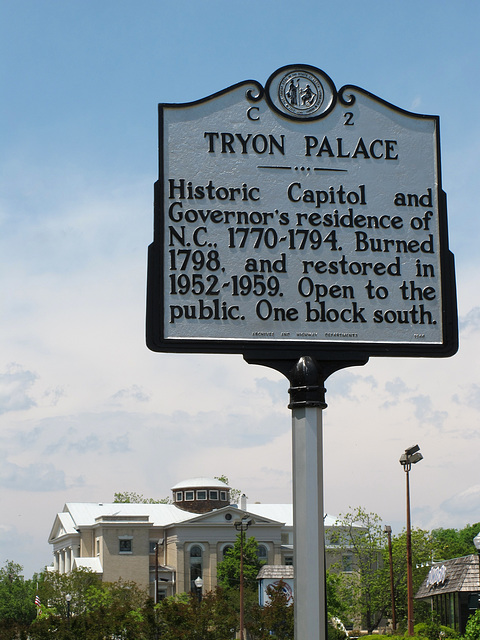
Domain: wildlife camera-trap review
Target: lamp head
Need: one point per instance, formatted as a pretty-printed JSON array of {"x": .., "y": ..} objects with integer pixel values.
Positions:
[
  {"x": 244, "y": 523},
  {"x": 411, "y": 456},
  {"x": 416, "y": 458},
  {"x": 411, "y": 450},
  {"x": 476, "y": 542}
]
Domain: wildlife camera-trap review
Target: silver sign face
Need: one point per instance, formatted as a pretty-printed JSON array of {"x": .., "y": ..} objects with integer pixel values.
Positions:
[{"x": 296, "y": 217}]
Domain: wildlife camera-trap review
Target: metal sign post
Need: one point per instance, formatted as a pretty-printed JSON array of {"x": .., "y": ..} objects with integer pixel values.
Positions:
[
  {"x": 308, "y": 512},
  {"x": 307, "y": 401},
  {"x": 306, "y": 229}
]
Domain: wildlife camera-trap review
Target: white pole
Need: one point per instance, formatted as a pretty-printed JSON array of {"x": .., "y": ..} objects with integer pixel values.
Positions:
[
  {"x": 309, "y": 541},
  {"x": 307, "y": 400}
]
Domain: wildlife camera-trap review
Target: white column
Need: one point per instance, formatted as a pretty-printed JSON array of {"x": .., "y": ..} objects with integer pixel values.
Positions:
[
  {"x": 68, "y": 559},
  {"x": 309, "y": 542}
]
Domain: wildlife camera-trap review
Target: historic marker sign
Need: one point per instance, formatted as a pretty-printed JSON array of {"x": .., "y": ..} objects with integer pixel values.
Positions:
[{"x": 295, "y": 219}]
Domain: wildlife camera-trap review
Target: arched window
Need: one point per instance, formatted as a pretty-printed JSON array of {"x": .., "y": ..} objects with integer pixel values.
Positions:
[
  {"x": 226, "y": 548},
  {"x": 196, "y": 565},
  {"x": 262, "y": 553}
]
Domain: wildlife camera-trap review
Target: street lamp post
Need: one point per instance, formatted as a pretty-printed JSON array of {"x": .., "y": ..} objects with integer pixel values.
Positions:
[
  {"x": 411, "y": 456},
  {"x": 199, "y": 585},
  {"x": 68, "y": 598},
  {"x": 242, "y": 525},
  {"x": 155, "y": 599},
  {"x": 388, "y": 531}
]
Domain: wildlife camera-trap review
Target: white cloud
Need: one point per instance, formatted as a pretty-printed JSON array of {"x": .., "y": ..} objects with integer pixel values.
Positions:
[
  {"x": 134, "y": 392},
  {"x": 34, "y": 477},
  {"x": 468, "y": 395},
  {"x": 465, "y": 504},
  {"x": 15, "y": 387}
]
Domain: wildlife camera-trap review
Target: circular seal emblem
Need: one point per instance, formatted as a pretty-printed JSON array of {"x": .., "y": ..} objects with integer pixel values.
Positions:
[{"x": 301, "y": 93}]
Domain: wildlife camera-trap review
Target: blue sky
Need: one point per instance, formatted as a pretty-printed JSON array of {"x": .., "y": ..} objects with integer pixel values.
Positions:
[{"x": 85, "y": 408}]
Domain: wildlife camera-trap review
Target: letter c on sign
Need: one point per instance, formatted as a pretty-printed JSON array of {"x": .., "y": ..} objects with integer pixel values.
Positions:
[{"x": 249, "y": 115}]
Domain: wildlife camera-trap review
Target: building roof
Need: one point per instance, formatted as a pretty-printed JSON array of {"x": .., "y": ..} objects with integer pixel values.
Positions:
[
  {"x": 85, "y": 514},
  {"x": 76, "y": 515},
  {"x": 276, "y": 572},
  {"x": 66, "y": 525},
  {"x": 203, "y": 483},
  {"x": 282, "y": 513},
  {"x": 278, "y": 512},
  {"x": 159, "y": 515},
  {"x": 452, "y": 576},
  {"x": 93, "y": 564}
]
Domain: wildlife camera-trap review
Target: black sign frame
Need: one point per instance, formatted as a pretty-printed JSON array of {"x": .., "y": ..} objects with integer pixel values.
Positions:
[{"x": 258, "y": 350}]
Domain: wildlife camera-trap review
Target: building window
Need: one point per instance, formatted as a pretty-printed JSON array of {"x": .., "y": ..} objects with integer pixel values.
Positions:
[
  {"x": 125, "y": 545},
  {"x": 201, "y": 495},
  {"x": 196, "y": 565},
  {"x": 189, "y": 495},
  {"x": 262, "y": 553},
  {"x": 178, "y": 496},
  {"x": 223, "y": 496},
  {"x": 289, "y": 561},
  {"x": 347, "y": 563},
  {"x": 213, "y": 494},
  {"x": 98, "y": 546},
  {"x": 226, "y": 549}
]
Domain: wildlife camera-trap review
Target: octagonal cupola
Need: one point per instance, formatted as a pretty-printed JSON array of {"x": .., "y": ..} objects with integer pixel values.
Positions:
[{"x": 200, "y": 495}]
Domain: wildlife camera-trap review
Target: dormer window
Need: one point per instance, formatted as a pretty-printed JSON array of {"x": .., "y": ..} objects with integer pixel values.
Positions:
[
  {"x": 189, "y": 495},
  {"x": 213, "y": 494},
  {"x": 201, "y": 495},
  {"x": 223, "y": 496},
  {"x": 179, "y": 496}
]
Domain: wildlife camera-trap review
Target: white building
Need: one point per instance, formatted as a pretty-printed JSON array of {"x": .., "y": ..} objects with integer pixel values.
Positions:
[{"x": 173, "y": 543}]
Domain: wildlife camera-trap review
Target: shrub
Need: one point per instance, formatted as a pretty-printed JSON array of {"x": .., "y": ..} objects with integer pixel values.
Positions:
[
  {"x": 472, "y": 631},
  {"x": 433, "y": 630}
]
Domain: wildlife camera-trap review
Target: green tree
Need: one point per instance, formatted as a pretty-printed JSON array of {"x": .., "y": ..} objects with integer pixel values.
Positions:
[
  {"x": 337, "y": 594},
  {"x": 234, "y": 493},
  {"x": 278, "y": 613},
  {"x": 130, "y": 497},
  {"x": 53, "y": 588},
  {"x": 472, "y": 630},
  {"x": 185, "y": 618},
  {"x": 361, "y": 534},
  {"x": 454, "y": 543},
  {"x": 17, "y": 600},
  {"x": 421, "y": 557},
  {"x": 97, "y": 610},
  {"x": 228, "y": 570},
  {"x": 117, "y": 609},
  {"x": 275, "y": 620}
]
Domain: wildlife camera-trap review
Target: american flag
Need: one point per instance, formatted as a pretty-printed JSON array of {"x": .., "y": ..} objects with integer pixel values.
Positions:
[{"x": 37, "y": 600}]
